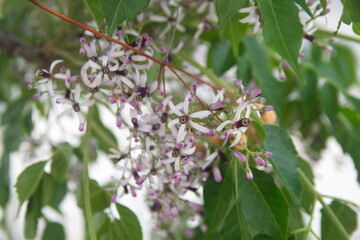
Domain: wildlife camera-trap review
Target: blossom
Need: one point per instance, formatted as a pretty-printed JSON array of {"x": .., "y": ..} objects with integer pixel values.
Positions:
[
  {"x": 252, "y": 18},
  {"x": 48, "y": 77},
  {"x": 185, "y": 117}
]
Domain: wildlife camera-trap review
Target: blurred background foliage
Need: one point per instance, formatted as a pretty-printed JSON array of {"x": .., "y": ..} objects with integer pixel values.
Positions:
[{"x": 321, "y": 104}]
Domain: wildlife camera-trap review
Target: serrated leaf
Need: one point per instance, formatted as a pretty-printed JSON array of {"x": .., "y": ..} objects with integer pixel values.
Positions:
[
  {"x": 117, "y": 11},
  {"x": 33, "y": 212},
  {"x": 263, "y": 204},
  {"x": 351, "y": 11},
  {"x": 61, "y": 161},
  {"x": 235, "y": 226},
  {"x": 99, "y": 198},
  {"x": 282, "y": 28},
  {"x": 304, "y": 6},
  {"x": 218, "y": 200},
  {"x": 271, "y": 88},
  {"x": 28, "y": 180},
  {"x": 346, "y": 216},
  {"x": 284, "y": 159},
  {"x": 128, "y": 224},
  {"x": 95, "y": 9},
  {"x": 54, "y": 231},
  {"x": 329, "y": 102},
  {"x": 225, "y": 10}
]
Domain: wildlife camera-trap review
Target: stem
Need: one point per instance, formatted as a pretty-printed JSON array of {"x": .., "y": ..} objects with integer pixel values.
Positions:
[
  {"x": 343, "y": 36},
  {"x": 342, "y": 200},
  {"x": 326, "y": 208},
  {"x": 86, "y": 180},
  {"x": 99, "y": 34},
  {"x": 206, "y": 72}
]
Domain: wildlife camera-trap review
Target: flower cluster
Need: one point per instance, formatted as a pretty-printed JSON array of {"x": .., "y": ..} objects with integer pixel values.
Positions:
[{"x": 176, "y": 140}]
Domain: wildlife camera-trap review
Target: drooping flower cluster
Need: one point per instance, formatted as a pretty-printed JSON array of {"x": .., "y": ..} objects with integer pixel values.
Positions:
[{"x": 178, "y": 138}]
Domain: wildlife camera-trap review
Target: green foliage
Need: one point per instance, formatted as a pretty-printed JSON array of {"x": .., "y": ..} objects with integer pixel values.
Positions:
[
  {"x": 346, "y": 216},
  {"x": 95, "y": 8},
  {"x": 99, "y": 198},
  {"x": 28, "y": 181},
  {"x": 270, "y": 87},
  {"x": 54, "y": 231},
  {"x": 226, "y": 9},
  {"x": 282, "y": 28},
  {"x": 221, "y": 58},
  {"x": 61, "y": 161},
  {"x": 351, "y": 11},
  {"x": 118, "y": 11},
  {"x": 284, "y": 159},
  {"x": 272, "y": 210},
  {"x": 218, "y": 200}
]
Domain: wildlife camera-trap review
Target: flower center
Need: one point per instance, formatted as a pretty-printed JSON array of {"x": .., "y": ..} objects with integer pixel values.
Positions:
[
  {"x": 94, "y": 58},
  {"x": 244, "y": 122},
  {"x": 67, "y": 93},
  {"x": 139, "y": 98},
  {"x": 94, "y": 90},
  {"x": 164, "y": 117},
  {"x": 183, "y": 119},
  {"x": 175, "y": 152},
  {"x": 105, "y": 70},
  {"x": 76, "y": 107},
  {"x": 156, "y": 126}
]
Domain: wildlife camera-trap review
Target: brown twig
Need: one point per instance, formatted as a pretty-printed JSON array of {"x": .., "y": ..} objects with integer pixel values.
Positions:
[{"x": 99, "y": 34}]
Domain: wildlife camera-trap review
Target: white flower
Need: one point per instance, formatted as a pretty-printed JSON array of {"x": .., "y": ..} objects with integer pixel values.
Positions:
[{"x": 185, "y": 117}]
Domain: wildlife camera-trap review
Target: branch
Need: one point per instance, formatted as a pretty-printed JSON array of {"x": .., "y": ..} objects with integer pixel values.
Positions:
[{"x": 99, "y": 34}]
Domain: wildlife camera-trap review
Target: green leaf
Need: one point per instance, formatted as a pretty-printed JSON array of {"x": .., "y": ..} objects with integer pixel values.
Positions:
[
  {"x": 356, "y": 28},
  {"x": 329, "y": 102},
  {"x": 117, "y": 11},
  {"x": 282, "y": 28},
  {"x": 95, "y": 9},
  {"x": 259, "y": 129},
  {"x": 304, "y": 6},
  {"x": 263, "y": 204},
  {"x": 270, "y": 87},
  {"x": 4, "y": 179},
  {"x": 234, "y": 32},
  {"x": 128, "y": 227},
  {"x": 235, "y": 225},
  {"x": 61, "y": 161},
  {"x": 307, "y": 194},
  {"x": 226, "y": 9},
  {"x": 284, "y": 159},
  {"x": 54, "y": 231},
  {"x": 218, "y": 200},
  {"x": 220, "y": 57},
  {"x": 346, "y": 216},
  {"x": 33, "y": 212},
  {"x": 99, "y": 198},
  {"x": 262, "y": 237},
  {"x": 128, "y": 224},
  {"x": 351, "y": 11},
  {"x": 28, "y": 180},
  {"x": 344, "y": 63}
]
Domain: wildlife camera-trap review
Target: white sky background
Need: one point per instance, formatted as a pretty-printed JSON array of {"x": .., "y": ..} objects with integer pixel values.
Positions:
[{"x": 335, "y": 173}]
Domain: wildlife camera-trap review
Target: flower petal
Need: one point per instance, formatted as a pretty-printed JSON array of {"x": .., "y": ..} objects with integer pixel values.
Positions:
[
  {"x": 199, "y": 127},
  {"x": 222, "y": 125},
  {"x": 200, "y": 114}
]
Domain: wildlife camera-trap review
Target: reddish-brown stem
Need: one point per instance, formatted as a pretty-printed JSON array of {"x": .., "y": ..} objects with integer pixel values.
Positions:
[{"x": 162, "y": 63}]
